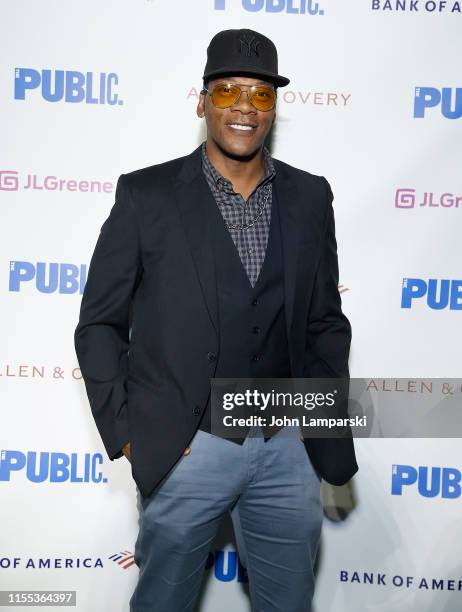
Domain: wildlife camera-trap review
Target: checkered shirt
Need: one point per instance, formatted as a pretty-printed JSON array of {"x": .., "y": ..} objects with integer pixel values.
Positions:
[{"x": 251, "y": 242}]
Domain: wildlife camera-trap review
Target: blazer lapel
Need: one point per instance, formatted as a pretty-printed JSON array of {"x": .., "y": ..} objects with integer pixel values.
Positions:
[
  {"x": 290, "y": 221},
  {"x": 191, "y": 193}
]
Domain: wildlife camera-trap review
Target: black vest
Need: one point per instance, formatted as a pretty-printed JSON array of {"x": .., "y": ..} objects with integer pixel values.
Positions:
[{"x": 252, "y": 323}]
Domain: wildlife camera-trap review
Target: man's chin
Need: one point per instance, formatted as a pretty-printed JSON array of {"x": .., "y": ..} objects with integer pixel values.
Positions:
[{"x": 240, "y": 152}]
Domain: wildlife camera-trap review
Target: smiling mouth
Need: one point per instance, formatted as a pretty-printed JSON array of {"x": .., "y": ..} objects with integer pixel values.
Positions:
[{"x": 241, "y": 126}]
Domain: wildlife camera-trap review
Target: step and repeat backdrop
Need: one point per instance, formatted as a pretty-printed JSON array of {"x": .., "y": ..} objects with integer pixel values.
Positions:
[{"x": 90, "y": 90}]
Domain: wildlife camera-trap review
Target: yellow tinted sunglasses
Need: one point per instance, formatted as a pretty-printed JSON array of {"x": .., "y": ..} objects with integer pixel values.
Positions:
[{"x": 224, "y": 95}]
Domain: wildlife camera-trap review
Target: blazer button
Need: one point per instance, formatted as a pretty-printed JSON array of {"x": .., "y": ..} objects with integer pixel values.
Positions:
[
  {"x": 196, "y": 410},
  {"x": 211, "y": 356}
]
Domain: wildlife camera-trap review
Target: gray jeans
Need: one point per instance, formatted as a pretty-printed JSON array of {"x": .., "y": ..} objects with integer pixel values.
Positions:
[{"x": 273, "y": 494}]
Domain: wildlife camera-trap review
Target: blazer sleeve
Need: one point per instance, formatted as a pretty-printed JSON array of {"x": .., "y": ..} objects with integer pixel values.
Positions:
[
  {"x": 101, "y": 337},
  {"x": 328, "y": 329}
]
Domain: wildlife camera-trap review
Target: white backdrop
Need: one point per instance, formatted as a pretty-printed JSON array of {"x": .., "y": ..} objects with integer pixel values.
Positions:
[{"x": 349, "y": 114}]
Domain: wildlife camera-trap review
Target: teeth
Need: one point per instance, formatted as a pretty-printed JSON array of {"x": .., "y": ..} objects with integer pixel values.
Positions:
[{"x": 236, "y": 126}]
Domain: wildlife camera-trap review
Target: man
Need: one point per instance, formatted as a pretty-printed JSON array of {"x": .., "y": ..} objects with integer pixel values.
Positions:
[{"x": 222, "y": 263}]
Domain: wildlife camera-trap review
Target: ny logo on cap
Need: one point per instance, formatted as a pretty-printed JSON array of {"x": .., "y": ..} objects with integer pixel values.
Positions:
[{"x": 249, "y": 47}]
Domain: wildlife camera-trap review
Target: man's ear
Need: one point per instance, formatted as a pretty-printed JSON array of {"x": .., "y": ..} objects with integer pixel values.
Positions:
[{"x": 200, "y": 110}]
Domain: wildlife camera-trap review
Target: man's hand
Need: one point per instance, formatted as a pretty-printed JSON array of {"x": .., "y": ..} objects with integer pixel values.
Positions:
[{"x": 127, "y": 451}]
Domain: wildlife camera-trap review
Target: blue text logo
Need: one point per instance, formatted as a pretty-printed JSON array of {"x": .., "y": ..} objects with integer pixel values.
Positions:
[
  {"x": 48, "y": 277},
  {"x": 448, "y": 99},
  {"x": 68, "y": 86},
  {"x": 431, "y": 482},
  {"x": 439, "y": 294},
  {"x": 52, "y": 467},
  {"x": 227, "y": 566},
  {"x": 297, "y": 7}
]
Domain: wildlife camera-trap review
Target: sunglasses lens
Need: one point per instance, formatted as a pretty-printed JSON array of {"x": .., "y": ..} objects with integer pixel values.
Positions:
[
  {"x": 224, "y": 95},
  {"x": 263, "y": 98}
]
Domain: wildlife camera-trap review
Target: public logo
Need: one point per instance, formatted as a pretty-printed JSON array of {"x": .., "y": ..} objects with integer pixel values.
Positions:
[
  {"x": 68, "y": 86},
  {"x": 438, "y": 294},
  {"x": 448, "y": 100},
  {"x": 444, "y": 482},
  {"x": 295, "y": 7},
  {"x": 226, "y": 566},
  {"x": 51, "y": 467},
  {"x": 48, "y": 277}
]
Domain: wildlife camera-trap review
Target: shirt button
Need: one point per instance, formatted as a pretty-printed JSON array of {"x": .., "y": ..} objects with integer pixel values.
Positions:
[
  {"x": 256, "y": 329},
  {"x": 196, "y": 410},
  {"x": 211, "y": 356},
  {"x": 255, "y": 302}
]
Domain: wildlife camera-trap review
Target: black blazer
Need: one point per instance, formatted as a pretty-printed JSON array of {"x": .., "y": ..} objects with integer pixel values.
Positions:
[{"x": 148, "y": 318}]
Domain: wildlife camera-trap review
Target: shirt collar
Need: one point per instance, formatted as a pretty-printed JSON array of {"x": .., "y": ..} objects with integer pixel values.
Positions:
[{"x": 225, "y": 184}]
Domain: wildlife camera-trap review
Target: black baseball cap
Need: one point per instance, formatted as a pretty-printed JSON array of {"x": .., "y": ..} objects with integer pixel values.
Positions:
[{"x": 244, "y": 52}]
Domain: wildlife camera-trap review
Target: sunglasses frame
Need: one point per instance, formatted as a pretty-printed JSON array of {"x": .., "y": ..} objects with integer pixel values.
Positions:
[{"x": 239, "y": 86}]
